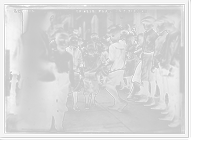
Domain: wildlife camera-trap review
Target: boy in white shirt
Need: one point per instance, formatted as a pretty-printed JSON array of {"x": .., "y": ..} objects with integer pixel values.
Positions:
[
  {"x": 122, "y": 41},
  {"x": 77, "y": 67},
  {"x": 116, "y": 62},
  {"x": 104, "y": 58}
]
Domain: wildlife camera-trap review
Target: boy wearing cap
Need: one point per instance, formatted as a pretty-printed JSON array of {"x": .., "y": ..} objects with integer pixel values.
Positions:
[
  {"x": 108, "y": 34},
  {"x": 148, "y": 51},
  {"x": 104, "y": 58},
  {"x": 116, "y": 61},
  {"x": 94, "y": 37},
  {"x": 73, "y": 49},
  {"x": 122, "y": 41},
  {"x": 91, "y": 64},
  {"x": 159, "y": 42},
  {"x": 171, "y": 46}
]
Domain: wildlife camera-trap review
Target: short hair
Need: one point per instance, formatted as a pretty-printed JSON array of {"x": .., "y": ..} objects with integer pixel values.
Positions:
[
  {"x": 129, "y": 27},
  {"x": 106, "y": 45},
  {"x": 111, "y": 27},
  {"x": 115, "y": 33},
  {"x": 94, "y": 35},
  {"x": 124, "y": 30},
  {"x": 73, "y": 35},
  {"x": 59, "y": 32},
  {"x": 80, "y": 41},
  {"x": 90, "y": 42},
  {"x": 131, "y": 38},
  {"x": 75, "y": 31}
]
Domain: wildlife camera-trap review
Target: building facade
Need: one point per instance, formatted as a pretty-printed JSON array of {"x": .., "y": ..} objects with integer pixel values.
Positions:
[{"x": 96, "y": 20}]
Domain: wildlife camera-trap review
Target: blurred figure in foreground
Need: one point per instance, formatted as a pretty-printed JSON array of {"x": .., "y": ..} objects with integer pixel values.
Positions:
[
  {"x": 64, "y": 77},
  {"x": 38, "y": 92}
]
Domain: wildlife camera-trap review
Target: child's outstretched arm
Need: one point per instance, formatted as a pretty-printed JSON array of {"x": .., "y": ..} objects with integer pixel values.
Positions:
[
  {"x": 71, "y": 72},
  {"x": 111, "y": 57}
]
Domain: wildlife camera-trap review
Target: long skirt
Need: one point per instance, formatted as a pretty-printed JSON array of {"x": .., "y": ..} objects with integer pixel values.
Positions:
[{"x": 137, "y": 74}]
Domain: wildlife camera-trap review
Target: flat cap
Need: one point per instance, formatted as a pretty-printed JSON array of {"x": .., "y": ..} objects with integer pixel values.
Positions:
[
  {"x": 172, "y": 17},
  {"x": 124, "y": 30},
  {"x": 75, "y": 31},
  {"x": 160, "y": 19},
  {"x": 148, "y": 19},
  {"x": 115, "y": 32},
  {"x": 94, "y": 35},
  {"x": 90, "y": 42}
]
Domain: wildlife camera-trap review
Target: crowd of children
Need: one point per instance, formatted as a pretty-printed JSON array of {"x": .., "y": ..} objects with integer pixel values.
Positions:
[{"x": 118, "y": 57}]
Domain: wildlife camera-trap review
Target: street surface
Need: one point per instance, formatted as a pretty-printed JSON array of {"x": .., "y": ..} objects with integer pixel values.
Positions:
[{"x": 135, "y": 118}]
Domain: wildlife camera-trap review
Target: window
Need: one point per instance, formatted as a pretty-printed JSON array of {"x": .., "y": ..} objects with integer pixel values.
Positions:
[
  {"x": 84, "y": 30},
  {"x": 95, "y": 24},
  {"x": 80, "y": 31}
]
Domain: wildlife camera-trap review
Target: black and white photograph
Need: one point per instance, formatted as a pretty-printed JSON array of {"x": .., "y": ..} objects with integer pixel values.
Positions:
[{"x": 96, "y": 69}]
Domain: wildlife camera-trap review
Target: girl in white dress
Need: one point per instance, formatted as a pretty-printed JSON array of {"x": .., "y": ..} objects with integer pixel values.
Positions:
[
  {"x": 136, "y": 79},
  {"x": 130, "y": 63}
]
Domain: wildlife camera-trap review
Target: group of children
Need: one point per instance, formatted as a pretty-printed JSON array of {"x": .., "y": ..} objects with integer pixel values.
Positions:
[
  {"x": 152, "y": 61},
  {"x": 72, "y": 65}
]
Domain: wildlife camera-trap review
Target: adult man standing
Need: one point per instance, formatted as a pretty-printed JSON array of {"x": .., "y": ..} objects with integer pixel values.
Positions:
[{"x": 38, "y": 92}]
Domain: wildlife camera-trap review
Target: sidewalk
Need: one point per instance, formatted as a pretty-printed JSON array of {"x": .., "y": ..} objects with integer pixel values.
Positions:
[{"x": 134, "y": 119}]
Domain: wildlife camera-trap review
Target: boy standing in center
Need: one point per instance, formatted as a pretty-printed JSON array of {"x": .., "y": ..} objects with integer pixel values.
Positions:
[
  {"x": 148, "y": 51},
  {"x": 91, "y": 64},
  {"x": 77, "y": 67}
]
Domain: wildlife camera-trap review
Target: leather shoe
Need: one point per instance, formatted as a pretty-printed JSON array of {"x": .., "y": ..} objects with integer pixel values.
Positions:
[
  {"x": 122, "y": 105},
  {"x": 66, "y": 109},
  {"x": 75, "y": 107},
  {"x": 121, "y": 87},
  {"x": 87, "y": 107},
  {"x": 149, "y": 102},
  {"x": 169, "y": 116},
  {"x": 93, "y": 103},
  {"x": 165, "y": 111},
  {"x": 140, "y": 98},
  {"x": 114, "y": 107},
  {"x": 158, "y": 107},
  {"x": 175, "y": 122}
]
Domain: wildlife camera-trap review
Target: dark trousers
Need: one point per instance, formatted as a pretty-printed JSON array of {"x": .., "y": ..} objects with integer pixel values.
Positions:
[{"x": 171, "y": 87}]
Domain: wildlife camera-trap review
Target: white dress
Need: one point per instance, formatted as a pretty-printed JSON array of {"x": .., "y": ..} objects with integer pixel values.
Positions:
[{"x": 138, "y": 71}]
